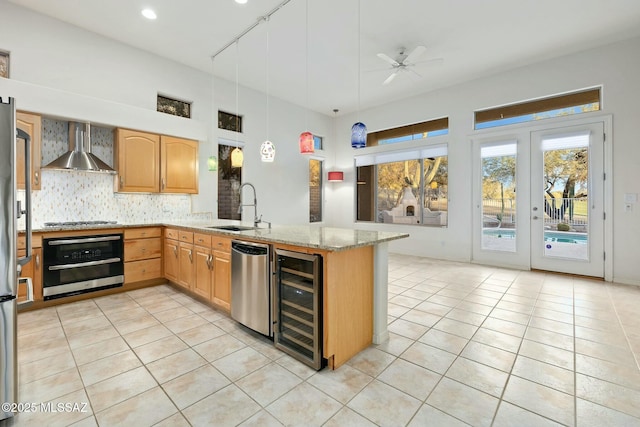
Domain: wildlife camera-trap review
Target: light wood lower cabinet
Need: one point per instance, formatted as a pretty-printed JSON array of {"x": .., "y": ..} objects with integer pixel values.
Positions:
[
  {"x": 142, "y": 254},
  {"x": 200, "y": 263}
]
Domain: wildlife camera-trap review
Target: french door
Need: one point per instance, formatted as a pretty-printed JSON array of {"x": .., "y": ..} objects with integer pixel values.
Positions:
[{"x": 539, "y": 199}]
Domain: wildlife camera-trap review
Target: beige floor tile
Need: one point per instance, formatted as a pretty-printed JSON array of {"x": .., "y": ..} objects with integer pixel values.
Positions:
[
  {"x": 347, "y": 417},
  {"x": 429, "y": 357},
  {"x": 412, "y": 379},
  {"x": 44, "y": 350},
  {"x": 405, "y": 301},
  {"x": 490, "y": 356},
  {"x": 395, "y": 345},
  {"x": 118, "y": 316},
  {"x": 195, "y": 385},
  {"x": 607, "y": 394},
  {"x": 262, "y": 419},
  {"x": 92, "y": 337},
  {"x": 73, "y": 326},
  {"x": 497, "y": 339},
  {"x": 342, "y": 384},
  {"x": 219, "y": 347},
  {"x": 158, "y": 349},
  {"x": 31, "y": 371},
  {"x": 547, "y": 313},
  {"x": 407, "y": 329},
  {"x": 623, "y": 375},
  {"x": 466, "y": 317},
  {"x": 35, "y": 337},
  {"x": 227, "y": 407},
  {"x": 176, "y": 420},
  {"x": 444, "y": 341},
  {"x": 384, "y": 405},
  {"x": 463, "y": 402},
  {"x": 553, "y": 339},
  {"x": 304, "y": 405},
  {"x": 605, "y": 352},
  {"x": 127, "y": 326},
  {"x": 614, "y": 338},
  {"x": 540, "y": 399},
  {"x": 544, "y": 373},
  {"x": 62, "y": 411},
  {"x": 461, "y": 329},
  {"x": 99, "y": 350},
  {"x": 172, "y": 314},
  {"x": 478, "y": 376},
  {"x": 174, "y": 365},
  {"x": 512, "y": 416},
  {"x": 508, "y": 304},
  {"x": 295, "y": 366},
  {"x": 434, "y": 308},
  {"x": 427, "y": 415},
  {"x": 268, "y": 383},
  {"x": 590, "y": 414},
  {"x": 421, "y": 317},
  {"x": 147, "y": 408},
  {"x": 396, "y": 310},
  {"x": 146, "y": 335},
  {"x": 51, "y": 387},
  {"x": 197, "y": 336},
  {"x": 417, "y": 294},
  {"x": 108, "y": 367},
  {"x": 371, "y": 361},
  {"x": 241, "y": 363},
  {"x": 548, "y": 354},
  {"x": 119, "y": 388}
]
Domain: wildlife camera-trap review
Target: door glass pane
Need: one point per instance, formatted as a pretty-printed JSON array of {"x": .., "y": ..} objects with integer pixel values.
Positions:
[
  {"x": 315, "y": 190},
  {"x": 566, "y": 196},
  {"x": 229, "y": 181},
  {"x": 499, "y": 197}
]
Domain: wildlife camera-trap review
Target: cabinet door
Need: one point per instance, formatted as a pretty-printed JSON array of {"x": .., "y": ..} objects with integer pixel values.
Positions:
[
  {"x": 186, "y": 261},
  {"x": 222, "y": 279},
  {"x": 179, "y": 171},
  {"x": 203, "y": 277},
  {"x": 171, "y": 265},
  {"x": 32, "y": 124},
  {"x": 137, "y": 161}
]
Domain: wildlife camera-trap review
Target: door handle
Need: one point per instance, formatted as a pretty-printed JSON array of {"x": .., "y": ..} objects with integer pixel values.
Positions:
[
  {"x": 29, "y": 296},
  {"x": 535, "y": 217},
  {"x": 535, "y": 208},
  {"x": 190, "y": 257},
  {"x": 175, "y": 252}
]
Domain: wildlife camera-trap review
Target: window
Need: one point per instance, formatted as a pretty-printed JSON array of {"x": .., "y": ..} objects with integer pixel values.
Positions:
[
  {"x": 315, "y": 190},
  {"x": 413, "y": 132},
  {"x": 229, "y": 121},
  {"x": 175, "y": 107},
  {"x": 557, "y": 106},
  {"x": 403, "y": 187},
  {"x": 317, "y": 142},
  {"x": 229, "y": 181}
]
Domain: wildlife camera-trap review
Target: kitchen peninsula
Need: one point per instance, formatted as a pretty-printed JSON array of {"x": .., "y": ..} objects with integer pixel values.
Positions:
[{"x": 354, "y": 300}]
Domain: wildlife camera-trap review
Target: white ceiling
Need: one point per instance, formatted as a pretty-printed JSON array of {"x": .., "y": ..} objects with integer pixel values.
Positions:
[{"x": 474, "y": 38}]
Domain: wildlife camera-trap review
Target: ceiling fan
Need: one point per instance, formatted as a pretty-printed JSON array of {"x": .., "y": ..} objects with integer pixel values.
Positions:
[{"x": 405, "y": 61}]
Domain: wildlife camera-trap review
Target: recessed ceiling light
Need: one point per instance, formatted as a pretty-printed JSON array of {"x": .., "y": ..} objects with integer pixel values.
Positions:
[
  {"x": 241, "y": 1},
  {"x": 149, "y": 14}
]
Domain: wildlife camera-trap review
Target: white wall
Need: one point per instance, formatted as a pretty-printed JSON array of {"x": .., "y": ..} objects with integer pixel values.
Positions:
[{"x": 614, "y": 66}]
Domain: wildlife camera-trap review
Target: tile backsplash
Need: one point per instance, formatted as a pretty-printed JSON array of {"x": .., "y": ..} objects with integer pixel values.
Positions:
[{"x": 74, "y": 195}]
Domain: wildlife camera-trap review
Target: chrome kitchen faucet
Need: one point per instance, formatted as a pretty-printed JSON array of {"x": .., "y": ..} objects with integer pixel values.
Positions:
[{"x": 256, "y": 220}]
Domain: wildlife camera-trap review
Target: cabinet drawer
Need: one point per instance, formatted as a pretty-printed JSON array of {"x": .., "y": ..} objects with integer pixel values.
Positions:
[
  {"x": 36, "y": 241},
  {"x": 186, "y": 236},
  {"x": 202, "y": 239},
  {"x": 142, "y": 233},
  {"x": 171, "y": 233},
  {"x": 142, "y": 270},
  {"x": 221, "y": 244},
  {"x": 142, "y": 249}
]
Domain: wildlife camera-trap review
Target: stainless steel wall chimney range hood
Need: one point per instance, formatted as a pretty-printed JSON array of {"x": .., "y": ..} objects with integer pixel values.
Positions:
[{"x": 79, "y": 156}]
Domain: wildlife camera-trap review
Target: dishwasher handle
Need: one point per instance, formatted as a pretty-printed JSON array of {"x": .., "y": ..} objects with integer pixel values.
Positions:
[{"x": 249, "y": 249}]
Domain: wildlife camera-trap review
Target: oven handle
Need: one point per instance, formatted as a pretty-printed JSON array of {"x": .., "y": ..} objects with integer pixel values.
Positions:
[
  {"x": 83, "y": 264},
  {"x": 87, "y": 240}
]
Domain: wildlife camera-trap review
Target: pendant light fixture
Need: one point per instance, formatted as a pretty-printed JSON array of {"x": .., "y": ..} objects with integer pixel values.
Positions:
[
  {"x": 267, "y": 149},
  {"x": 358, "y": 130},
  {"x": 335, "y": 175},
  {"x": 306, "y": 138},
  {"x": 237, "y": 157}
]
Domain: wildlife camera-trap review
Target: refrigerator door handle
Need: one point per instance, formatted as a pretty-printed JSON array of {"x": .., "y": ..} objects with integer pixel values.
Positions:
[
  {"x": 27, "y": 302},
  {"x": 27, "y": 197}
]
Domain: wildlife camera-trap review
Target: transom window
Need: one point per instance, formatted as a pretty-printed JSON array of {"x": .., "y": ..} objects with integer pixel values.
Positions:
[{"x": 412, "y": 132}]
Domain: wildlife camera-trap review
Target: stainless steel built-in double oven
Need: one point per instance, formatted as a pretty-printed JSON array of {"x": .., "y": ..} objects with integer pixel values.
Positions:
[{"x": 79, "y": 264}]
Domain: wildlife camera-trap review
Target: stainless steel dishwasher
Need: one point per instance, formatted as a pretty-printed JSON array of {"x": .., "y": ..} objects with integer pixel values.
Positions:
[{"x": 250, "y": 285}]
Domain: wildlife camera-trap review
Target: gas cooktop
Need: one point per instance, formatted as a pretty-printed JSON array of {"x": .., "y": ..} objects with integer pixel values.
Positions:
[{"x": 77, "y": 223}]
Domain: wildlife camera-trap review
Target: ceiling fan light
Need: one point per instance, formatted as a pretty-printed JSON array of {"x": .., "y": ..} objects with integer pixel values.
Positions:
[
  {"x": 358, "y": 135},
  {"x": 306, "y": 143}
]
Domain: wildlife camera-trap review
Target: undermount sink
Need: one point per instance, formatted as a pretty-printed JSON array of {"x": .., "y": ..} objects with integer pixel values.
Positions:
[{"x": 231, "y": 227}]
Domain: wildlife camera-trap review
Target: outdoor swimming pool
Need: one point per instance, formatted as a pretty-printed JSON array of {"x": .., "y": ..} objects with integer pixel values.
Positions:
[{"x": 549, "y": 236}]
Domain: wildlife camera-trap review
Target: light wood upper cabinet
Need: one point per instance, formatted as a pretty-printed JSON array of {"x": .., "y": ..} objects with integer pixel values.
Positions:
[
  {"x": 32, "y": 124},
  {"x": 137, "y": 156},
  {"x": 179, "y": 169},
  {"x": 150, "y": 163}
]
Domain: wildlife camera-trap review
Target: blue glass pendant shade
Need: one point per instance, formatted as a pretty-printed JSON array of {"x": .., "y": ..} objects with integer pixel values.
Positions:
[{"x": 358, "y": 135}]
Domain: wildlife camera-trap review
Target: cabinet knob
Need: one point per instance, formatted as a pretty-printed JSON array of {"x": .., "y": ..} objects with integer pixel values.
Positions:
[
  {"x": 38, "y": 261},
  {"x": 36, "y": 178}
]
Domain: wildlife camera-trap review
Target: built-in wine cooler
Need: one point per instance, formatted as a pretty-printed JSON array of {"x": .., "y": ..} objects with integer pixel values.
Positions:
[{"x": 298, "y": 306}]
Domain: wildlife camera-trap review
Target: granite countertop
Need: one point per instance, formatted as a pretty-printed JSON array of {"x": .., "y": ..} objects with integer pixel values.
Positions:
[{"x": 325, "y": 238}]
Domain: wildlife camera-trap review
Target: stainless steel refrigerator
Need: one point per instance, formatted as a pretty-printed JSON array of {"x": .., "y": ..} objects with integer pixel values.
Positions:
[{"x": 11, "y": 209}]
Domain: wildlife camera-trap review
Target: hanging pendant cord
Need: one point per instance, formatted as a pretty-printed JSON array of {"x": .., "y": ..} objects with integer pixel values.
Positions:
[
  {"x": 267, "y": 74},
  {"x": 306, "y": 64},
  {"x": 237, "y": 97},
  {"x": 358, "y": 60}
]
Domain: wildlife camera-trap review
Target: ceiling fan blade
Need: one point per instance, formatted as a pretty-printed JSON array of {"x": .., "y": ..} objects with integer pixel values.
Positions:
[
  {"x": 388, "y": 59},
  {"x": 415, "y": 73},
  {"x": 390, "y": 78},
  {"x": 416, "y": 53}
]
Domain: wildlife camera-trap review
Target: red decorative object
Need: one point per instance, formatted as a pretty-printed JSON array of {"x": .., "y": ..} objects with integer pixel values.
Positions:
[
  {"x": 335, "y": 176},
  {"x": 306, "y": 143}
]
